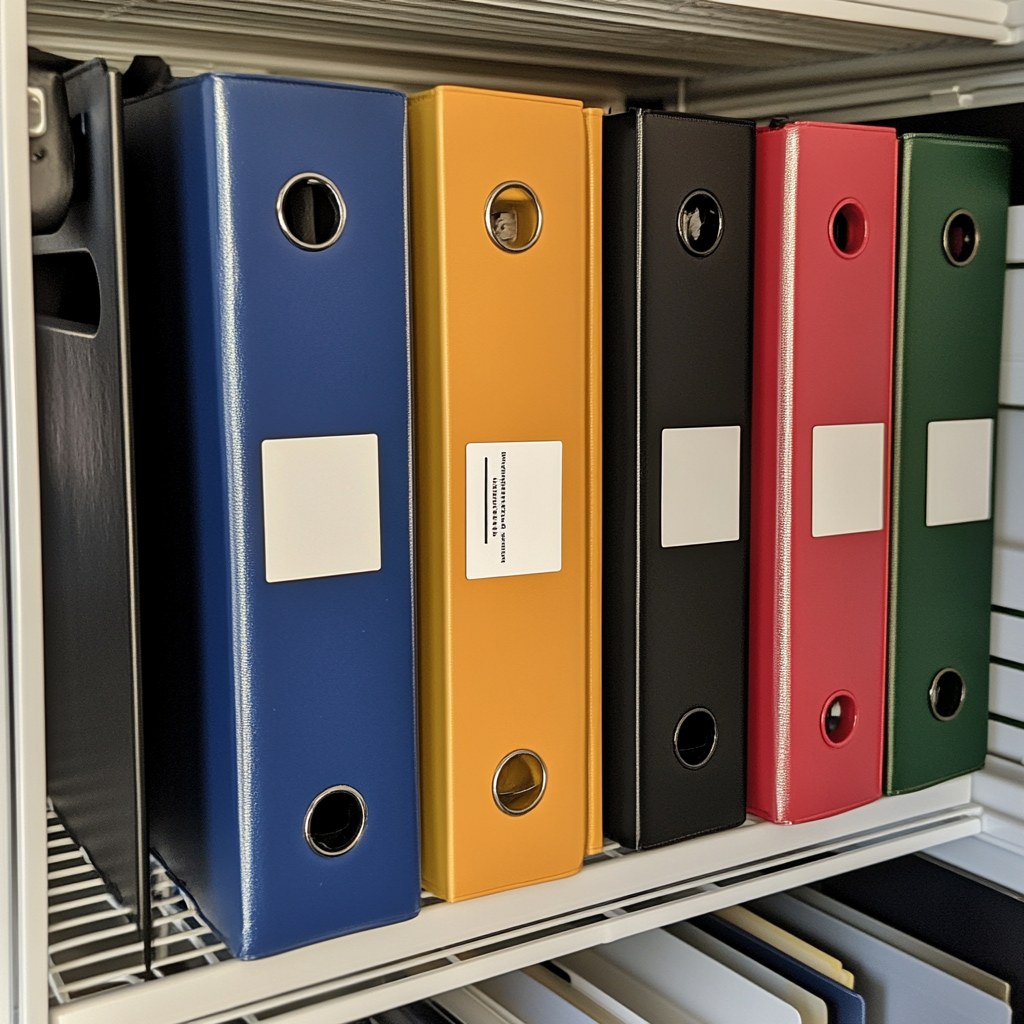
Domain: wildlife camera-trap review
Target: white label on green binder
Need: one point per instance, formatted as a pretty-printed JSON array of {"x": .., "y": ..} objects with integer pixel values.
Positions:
[
  {"x": 959, "y": 488},
  {"x": 847, "y": 478},
  {"x": 321, "y": 506},
  {"x": 513, "y": 508},
  {"x": 700, "y": 485}
]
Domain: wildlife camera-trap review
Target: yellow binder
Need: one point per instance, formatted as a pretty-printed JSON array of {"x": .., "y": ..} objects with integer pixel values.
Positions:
[
  {"x": 500, "y": 298},
  {"x": 592, "y": 121}
]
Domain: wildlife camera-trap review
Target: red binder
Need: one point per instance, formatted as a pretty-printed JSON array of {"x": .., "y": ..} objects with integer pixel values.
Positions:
[{"x": 823, "y": 301}]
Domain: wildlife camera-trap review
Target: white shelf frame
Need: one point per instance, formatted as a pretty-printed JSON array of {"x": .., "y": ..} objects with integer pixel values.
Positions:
[
  {"x": 450, "y": 945},
  {"x": 447, "y": 945}
]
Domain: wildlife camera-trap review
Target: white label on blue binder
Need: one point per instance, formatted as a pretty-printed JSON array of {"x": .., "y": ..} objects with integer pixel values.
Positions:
[
  {"x": 959, "y": 488},
  {"x": 513, "y": 508},
  {"x": 700, "y": 485},
  {"x": 321, "y": 506},
  {"x": 847, "y": 479}
]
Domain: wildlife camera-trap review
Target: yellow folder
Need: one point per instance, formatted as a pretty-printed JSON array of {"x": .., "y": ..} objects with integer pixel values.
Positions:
[
  {"x": 788, "y": 943},
  {"x": 501, "y": 293}
]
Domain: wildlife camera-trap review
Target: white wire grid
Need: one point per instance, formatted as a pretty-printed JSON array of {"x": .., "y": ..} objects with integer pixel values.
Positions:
[{"x": 94, "y": 945}]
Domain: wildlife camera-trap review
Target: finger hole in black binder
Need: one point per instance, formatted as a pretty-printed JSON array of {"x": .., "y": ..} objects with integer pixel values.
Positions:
[
  {"x": 946, "y": 694},
  {"x": 335, "y": 821},
  {"x": 696, "y": 737},
  {"x": 311, "y": 211},
  {"x": 849, "y": 228},
  {"x": 67, "y": 288}
]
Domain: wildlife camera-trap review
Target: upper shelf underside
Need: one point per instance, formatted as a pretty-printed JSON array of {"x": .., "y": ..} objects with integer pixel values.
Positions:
[{"x": 608, "y": 49}]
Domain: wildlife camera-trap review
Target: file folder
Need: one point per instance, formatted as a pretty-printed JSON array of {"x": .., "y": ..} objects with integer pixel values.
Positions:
[
  {"x": 470, "y": 1006},
  {"x": 823, "y": 298},
  {"x": 536, "y": 996},
  {"x": 500, "y": 242},
  {"x": 678, "y": 231},
  {"x": 954, "y": 194},
  {"x": 812, "y": 1008},
  {"x": 966, "y": 917},
  {"x": 94, "y": 756},
  {"x": 897, "y": 988},
  {"x": 844, "y": 1005},
  {"x": 271, "y": 366},
  {"x": 702, "y": 986},
  {"x": 618, "y": 990}
]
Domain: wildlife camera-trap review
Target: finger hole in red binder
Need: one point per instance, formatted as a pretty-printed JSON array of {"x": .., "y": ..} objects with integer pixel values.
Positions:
[{"x": 848, "y": 229}]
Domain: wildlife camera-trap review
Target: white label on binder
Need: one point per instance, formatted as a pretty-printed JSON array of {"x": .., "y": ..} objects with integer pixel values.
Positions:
[
  {"x": 513, "y": 508},
  {"x": 321, "y": 506},
  {"x": 700, "y": 485},
  {"x": 847, "y": 478},
  {"x": 959, "y": 485}
]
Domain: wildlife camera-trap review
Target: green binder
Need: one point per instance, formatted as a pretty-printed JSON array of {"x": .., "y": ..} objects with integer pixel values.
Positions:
[{"x": 954, "y": 194}]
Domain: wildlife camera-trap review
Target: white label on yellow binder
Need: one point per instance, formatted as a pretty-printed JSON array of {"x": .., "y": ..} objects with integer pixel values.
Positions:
[
  {"x": 513, "y": 508},
  {"x": 321, "y": 506},
  {"x": 847, "y": 478},
  {"x": 700, "y": 485},
  {"x": 959, "y": 485}
]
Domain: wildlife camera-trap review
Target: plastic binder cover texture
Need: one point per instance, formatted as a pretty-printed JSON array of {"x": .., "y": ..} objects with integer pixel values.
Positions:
[
  {"x": 272, "y": 407},
  {"x": 678, "y": 220},
  {"x": 822, "y": 413},
  {"x": 93, "y": 710},
  {"x": 952, "y": 263},
  {"x": 499, "y": 194}
]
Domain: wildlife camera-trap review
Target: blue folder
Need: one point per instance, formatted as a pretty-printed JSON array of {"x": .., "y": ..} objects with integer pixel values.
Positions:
[
  {"x": 844, "y": 1005},
  {"x": 268, "y": 256}
]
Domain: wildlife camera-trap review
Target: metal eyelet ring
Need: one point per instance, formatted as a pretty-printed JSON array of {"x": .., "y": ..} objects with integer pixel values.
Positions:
[
  {"x": 961, "y": 238},
  {"x": 311, "y": 211},
  {"x": 700, "y": 223},
  {"x": 513, "y": 217},
  {"x": 695, "y": 738},
  {"x": 519, "y": 782},
  {"x": 335, "y": 821},
  {"x": 946, "y": 694},
  {"x": 839, "y": 718}
]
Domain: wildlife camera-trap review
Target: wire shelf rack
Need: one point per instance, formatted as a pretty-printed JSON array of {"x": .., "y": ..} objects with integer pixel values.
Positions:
[{"x": 94, "y": 944}]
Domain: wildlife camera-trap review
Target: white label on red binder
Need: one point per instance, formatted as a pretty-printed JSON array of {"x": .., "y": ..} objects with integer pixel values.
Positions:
[
  {"x": 321, "y": 506},
  {"x": 959, "y": 488},
  {"x": 700, "y": 485},
  {"x": 847, "y": 479},
  {"x": 513, "y": 508}
]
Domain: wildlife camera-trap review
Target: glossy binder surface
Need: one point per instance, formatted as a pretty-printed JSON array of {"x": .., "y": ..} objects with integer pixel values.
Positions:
[
  {"x": 501, "y": 362},
  {"x": 677, "y": 343},
  {"x": 822, "y": 414},
  {"x": 262, "y": 695},
  {"x": 946, "y": 391},
  {"x": 90, "y": 611}
]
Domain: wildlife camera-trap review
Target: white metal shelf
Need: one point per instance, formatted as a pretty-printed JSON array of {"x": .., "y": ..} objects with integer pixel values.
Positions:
[{"x": 616, "y": 894}]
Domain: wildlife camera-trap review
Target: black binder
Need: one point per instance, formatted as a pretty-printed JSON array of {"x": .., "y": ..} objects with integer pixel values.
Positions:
[
  {"x": 678, "y": 245},
  {"x": 91, "y": 630}
]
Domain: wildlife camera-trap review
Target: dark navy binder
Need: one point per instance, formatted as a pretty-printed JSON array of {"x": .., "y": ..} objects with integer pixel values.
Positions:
[
  {"x": 844, "y": 1005},
  {"x": 268, "y": 284}
]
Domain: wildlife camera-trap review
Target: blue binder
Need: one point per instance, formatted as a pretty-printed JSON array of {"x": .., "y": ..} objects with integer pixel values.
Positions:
[
  {"x": 844, "y": 1005},
  {"x": 270, "y": 348}
]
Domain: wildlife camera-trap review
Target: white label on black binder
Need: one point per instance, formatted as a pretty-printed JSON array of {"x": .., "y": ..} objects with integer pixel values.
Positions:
[
  {"x": 700, "y": 485},
  {"x": 959, "y": 488},
  {"x": 321, "y": 506},
  {"x": 513, "y": 508},
  {"x": 847, "y": 478}
]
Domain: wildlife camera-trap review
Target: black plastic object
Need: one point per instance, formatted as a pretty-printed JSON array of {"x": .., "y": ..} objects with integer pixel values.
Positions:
[
  {"x": 51, "y": 151},
  {"x": 93, "y": 700},
  {"x": 969, "y": 918},
  {"x": 678, "y": 255}
]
